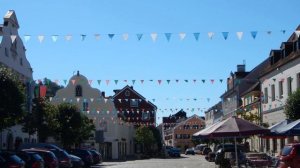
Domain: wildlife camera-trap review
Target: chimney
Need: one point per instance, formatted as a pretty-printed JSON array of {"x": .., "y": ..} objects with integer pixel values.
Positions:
[
  {"x": 241, "y": 68},
  {"x": 77, "y": 73},
  {"x": 103, "y": 94}
]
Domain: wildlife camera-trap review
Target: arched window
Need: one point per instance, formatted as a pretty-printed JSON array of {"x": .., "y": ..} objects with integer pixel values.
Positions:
[{"x": 78, "y": 91}]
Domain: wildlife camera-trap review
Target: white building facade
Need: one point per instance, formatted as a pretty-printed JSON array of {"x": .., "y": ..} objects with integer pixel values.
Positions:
[
  {"x": 112, "y": 137},
  {"x": 13, "y": 56}
]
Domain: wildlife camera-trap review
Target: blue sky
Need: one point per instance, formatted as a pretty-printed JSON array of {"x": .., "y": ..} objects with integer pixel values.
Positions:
[{"x": 188, "y": 59}]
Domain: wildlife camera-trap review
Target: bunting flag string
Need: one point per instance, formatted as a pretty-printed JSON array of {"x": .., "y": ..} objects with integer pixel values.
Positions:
[{"x": 154, "y": 36}]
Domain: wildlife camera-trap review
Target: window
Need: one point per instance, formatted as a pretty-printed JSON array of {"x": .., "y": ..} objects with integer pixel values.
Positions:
[
  {"x": 186, "y": 127},
  {"x": 289, "y": 85},
  {"x": 127, "y": 93},
  {"x": 85, "y": 106},
  {"x": 273, "y": 92},
  {"x": 21, "y": 61},
  {"x": 178, "y": 136},
  {"x": 78, "y": 91},
  {"x": 266, "y": 96},
  {"x": 145, "y": 116},
  {"x": 298, "y": 80},
  {"x": 280, "y": 91},
  {"x": 195, "y": 126},
  {"x": 134, "y": 103},
  {"x": 274, "y": 145},
  {"x": 6, "y": 52}
]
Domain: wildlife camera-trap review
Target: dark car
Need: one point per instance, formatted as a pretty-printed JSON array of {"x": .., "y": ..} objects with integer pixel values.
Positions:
[
  {"x": 76, "y": 161},
  {"x": 32, "y": 159},
  {"x": 84, "y": 154},
  {"x": 190, "y": 151},
  {"x": 62, "y": 156},
  {"x": 206, "y": 150},
  {"x": 97, "y": 157},
  {"x": 227, "y": 157},
  {"x": 290, "y": 156},
  {"x": 49, "y": 158},
  {"x": 10, "y": 160},
  {"x": 174, "y": 152}
]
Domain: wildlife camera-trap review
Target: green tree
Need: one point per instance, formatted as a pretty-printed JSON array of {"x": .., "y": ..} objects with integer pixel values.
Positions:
[
  {"x": 42, "y": 120},
  {"x": 12, "y": 99},
  {"x": 157, "y": 137},
  {"x": 74, "y": 126},
  {"x": 145, "y": 137},
  {"x": 292, "y": 106}
]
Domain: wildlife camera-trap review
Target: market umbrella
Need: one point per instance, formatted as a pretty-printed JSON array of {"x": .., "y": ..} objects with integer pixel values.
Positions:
[
  {"x": 291, "y": 129},
  {"x": 233, "y": 127},
  {"x": 275, "y": 128}
]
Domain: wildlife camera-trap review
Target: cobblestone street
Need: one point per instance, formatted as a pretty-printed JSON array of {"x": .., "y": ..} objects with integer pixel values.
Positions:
[{"x": 185, "y": 161}]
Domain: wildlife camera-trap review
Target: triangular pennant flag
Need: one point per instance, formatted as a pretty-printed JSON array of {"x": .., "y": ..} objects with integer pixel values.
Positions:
[
  {"x": 73, "y": 81},
  {"x": 159, "y": 81},
  {"x": 65, "y": 81},
  {"x": 168, "y": 81},
  {"x": 239, "y": 35},
  {"x": 142, "y": 81},
  {"x": 253, "y": 34},
  {"x": 212, "y": 81},
  {"x": 111, "y": 36},
  {"x": 269, "y": 32},
  {"x": 225, "y": 35},
  {"x": 168, "y": 36},
  {"x": 139, "y": 36},
  {"x": 120, "y": 100},
  {"x": 297, "y": 32},
  {"x": 116, "y": 82},
  {"x": 186, "y": 81},
  {"x": 78, "y": 99},
  {"x": 133, "y": 81},
  {"x": 125, "y": 36},
  {"x": 83, "y": 36},
  {"x": 283, "y": 31},
  {"x": 210, "y": 35},
  {"x": 64, "y": 99},
  {"x": 90, "y": 82},
  {"x": 13, "y": 38},
  {"x": 27, "y": 38},
  {"x": 182, "y": 36},
  {"x": 125, "y": 81},
  {"x": 208, "y": 99},
  {"x": 274, "y": 79},
  {"x": 97, "y": 36},
  {"x": 92, "y": 99},
  {"x": 153, "y": 36},
  {"x": 196, "y": 35},
  {"x": 153, "y": 100},
  {"x": 54, "y": 38},
  {"x": 105, "y": 100},
  {"x": 203, "y": 80},
  {"x": 68, "y": 37},
  {"x": 41, "y": 38},
  {"x": 107, "y": 82},
  {"x": 99, "y": 81},
  {"x": 50, "y": 98},
  {"x": 194, "y": 80},
  {"x": 177, "y": 80},
  {"x": 221, "y": 80}
]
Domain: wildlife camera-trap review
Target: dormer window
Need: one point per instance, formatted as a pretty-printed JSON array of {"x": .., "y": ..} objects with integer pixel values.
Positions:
[
  {"x": 127, "y": 93},
  {"x": 78, "y": 91}
]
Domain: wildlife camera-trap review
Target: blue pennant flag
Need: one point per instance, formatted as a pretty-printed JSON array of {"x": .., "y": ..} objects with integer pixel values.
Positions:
[
  {"x": 139, "y": 36},
  {"x": 111, "y": 36},
  {"x": 283, "y": 31},
  {"x": 168, "y": 36},
  {"x": 253, "y": 34},
  {"x": 1, "y": 39},
  {"x": 225, "y": 35},
  {"x": 196, "y": 35}
]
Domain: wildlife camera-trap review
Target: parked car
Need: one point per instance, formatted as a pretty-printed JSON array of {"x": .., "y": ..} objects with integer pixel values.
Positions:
[
  {"x": 227, "y": 157},
  {"x": 10, "y": 160},
  {"x": 190, "y": 151},
  {"x": 206, "y": 150},
  {"x": 210, "y": 156},
  {"x": 199, "y": 148},
  {"x": 258, "y": 160},
  {"x": 174, "y": 152},
  {"x": 76, "y": 161},
  {"x": 84, "y": 154},
  {"x": 63, "y": 157},
  {"x": 290, "y": 156},
  {"x": 97, "y": 157},
  {"x": 32, "y": 159},
  {"x": 229, "y": 146},
  {"x": 49, "y": 157}
]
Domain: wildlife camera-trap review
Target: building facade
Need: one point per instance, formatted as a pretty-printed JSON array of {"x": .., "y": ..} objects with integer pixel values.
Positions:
[
  {"x": 213, "y": 114},
  {"x": 13, "y": 56},
  {"x": 114, "y": 138}
]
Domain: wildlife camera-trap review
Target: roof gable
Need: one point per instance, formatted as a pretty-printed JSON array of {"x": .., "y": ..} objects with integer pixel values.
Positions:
[{"x": 11, "y": 16}]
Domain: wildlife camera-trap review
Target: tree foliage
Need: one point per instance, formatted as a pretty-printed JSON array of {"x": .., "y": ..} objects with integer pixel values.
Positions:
[
  {"x": 145, "y": 137},
  {"x": 292, "y": 106},
  {"x": 74, "y": 126},
  {"x": 12, "y": 99},
  {"x": 42, "y": 120}
]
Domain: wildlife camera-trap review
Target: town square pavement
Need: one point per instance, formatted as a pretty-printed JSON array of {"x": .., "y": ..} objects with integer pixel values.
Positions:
[{"x": 185, "y": 161}]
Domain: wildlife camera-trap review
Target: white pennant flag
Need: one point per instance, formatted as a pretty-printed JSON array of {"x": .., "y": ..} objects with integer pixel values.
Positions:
[
  {"x": 13, "y": 38},
  {"x": 297, "y": 33},
  {"x": 125, "y": 36},
  {"x": 50, "y": 98},
  {"x": 105, "y": 100},
  {"x": 239, "y": 35},
  {"x": 92, "y": 99},
  {"x": 153, "y": 36},
  {"x": 54, "y": 38},
  {"x": 78, "y": 99},
  {"x": 68, "y": 37},
  {"x": 120, "y": 100},
  {"x": 210, "y": 35},
  {"x": 41, "y": 38},
  {"x": 64, "y": 99},
  {"x": 27, "y": 38},
  {"x": 97, "y": 36},
  {"x": 182, "y": 36}
]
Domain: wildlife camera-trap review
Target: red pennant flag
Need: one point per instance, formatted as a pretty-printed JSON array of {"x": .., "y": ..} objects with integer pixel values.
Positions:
[
  {"x": 73, "y": 81},
  {"x": 107, "y": 82},
  {"x": 43, "y": 90},
  {"x": 142, "y": 81},
  {"x": 194, "y": 80},
  {"x": 125, "y": 81},
  {"x": 90, "y": 82},
  {"x": 159, "y": 82},
  {"x": 212, "y": 81}
]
